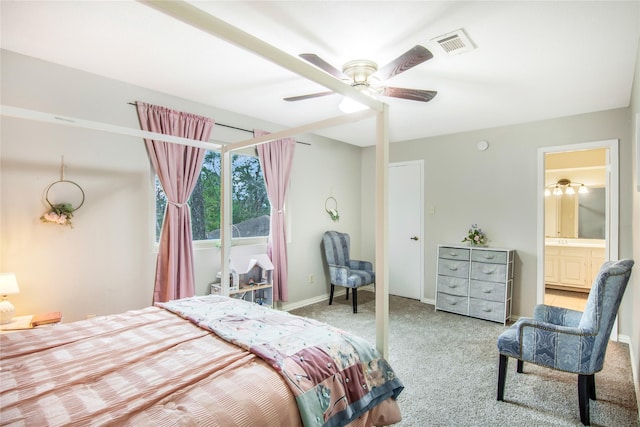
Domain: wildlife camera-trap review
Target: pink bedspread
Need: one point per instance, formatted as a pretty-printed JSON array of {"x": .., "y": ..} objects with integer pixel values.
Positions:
[
  {"x": 142, "y": 368},
  {"x": 145, "y": 367}
]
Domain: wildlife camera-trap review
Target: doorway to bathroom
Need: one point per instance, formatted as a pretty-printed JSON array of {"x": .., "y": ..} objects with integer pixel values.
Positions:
[{"x": 577, "y": 219}]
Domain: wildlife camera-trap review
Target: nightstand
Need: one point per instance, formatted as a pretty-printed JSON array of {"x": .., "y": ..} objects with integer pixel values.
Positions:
[{"x": 30, "y": 321}]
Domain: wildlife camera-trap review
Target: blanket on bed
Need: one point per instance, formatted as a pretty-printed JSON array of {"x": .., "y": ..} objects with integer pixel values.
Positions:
[{"x": 335, "y": 376}]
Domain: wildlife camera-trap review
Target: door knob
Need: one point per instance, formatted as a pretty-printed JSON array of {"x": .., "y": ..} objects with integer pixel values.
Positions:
[{"x": 414, "y": 238}]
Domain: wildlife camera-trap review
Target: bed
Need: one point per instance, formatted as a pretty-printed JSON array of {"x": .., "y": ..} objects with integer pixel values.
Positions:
[{"x": 211, "y": 360}]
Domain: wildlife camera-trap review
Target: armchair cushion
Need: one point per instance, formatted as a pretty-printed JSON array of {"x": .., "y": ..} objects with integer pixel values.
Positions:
[
  {"x": 344, "y": 276},
  {"x": 559, "y": 347}
]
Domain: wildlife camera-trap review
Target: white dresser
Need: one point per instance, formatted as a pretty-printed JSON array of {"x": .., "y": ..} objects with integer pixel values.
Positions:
[{"x": 475, "y": 282}]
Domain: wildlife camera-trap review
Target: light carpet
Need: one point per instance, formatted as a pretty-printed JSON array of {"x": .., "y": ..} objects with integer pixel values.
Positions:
[{"x": 449, "y": 363}]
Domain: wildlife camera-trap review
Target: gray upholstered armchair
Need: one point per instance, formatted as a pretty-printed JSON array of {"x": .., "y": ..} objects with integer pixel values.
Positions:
[
  {"x": 344, "y": 271},
  {"x": 569, "y": 340}
]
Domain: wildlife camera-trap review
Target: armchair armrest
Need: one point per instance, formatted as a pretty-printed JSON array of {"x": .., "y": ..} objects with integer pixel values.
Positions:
[
  {"x": 557, "y": 316},
  {"x": 566, "y": 348},
  {"x": 339, "y": 274},
  {"x": 525, "y": 325},
  {"x": 360, "y": 265}
]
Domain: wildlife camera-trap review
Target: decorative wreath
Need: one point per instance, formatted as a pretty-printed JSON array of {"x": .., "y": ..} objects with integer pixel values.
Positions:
[
  {"x": 61, "y": 213},
  {"x": 333, "y": 212}
]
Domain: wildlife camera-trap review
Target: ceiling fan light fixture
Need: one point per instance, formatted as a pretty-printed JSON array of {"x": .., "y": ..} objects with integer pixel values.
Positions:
[
  {"x": 359, "y": 70},
  {"x": 349, "y": 105}
]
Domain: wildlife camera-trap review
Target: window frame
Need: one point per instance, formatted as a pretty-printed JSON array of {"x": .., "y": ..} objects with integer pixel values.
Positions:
[{"x": 202, "y": 244}]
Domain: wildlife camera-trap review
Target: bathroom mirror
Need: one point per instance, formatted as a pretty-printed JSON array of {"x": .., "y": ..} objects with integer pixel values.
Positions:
[
  {"x": 576, "y": 216},
  {"x": 592, "y": 214}
]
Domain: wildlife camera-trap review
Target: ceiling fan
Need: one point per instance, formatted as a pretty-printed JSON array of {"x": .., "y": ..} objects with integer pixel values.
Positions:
[{"x": 364, "y": 75}]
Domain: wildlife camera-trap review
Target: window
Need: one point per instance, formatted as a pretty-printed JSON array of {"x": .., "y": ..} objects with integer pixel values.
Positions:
[{"x": 251, "y": 206}]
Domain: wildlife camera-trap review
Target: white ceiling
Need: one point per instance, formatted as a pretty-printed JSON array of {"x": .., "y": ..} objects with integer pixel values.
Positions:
[{"x": 534, "y": 60}]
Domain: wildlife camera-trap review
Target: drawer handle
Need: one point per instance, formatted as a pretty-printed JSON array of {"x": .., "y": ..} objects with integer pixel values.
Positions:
[
  {"x": 488, "y": 291},
  {"x": 453, "y": 254},
  {"x": 451, "y": 285},
  {"x": 487, "y": 310},
  {"x": 489, "y": 256},
  {"x": 452, "y": 302},
  {"x": 453, "y": 268},
  {"x": 488, "y": 271}
]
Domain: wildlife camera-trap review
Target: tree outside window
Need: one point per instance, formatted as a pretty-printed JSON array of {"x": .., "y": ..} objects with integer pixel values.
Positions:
[{"x": 251, "y": 206}]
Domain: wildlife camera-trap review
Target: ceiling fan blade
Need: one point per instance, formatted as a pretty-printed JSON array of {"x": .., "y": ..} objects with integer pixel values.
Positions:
[
  {"x": 323, "y": 65},
  {"x": 412, "y": 94},
  {"x": 414, "y": 56},
  {"x": 312, "y": 95}
]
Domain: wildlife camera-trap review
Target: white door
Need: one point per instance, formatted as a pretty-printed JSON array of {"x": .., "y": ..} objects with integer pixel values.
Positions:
[{"x": 406, "y": 244}]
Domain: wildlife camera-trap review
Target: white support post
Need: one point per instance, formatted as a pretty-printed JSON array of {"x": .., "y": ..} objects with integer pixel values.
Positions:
[
  {"x": 226, "y": 218},
  {"x": 381, "y": 232}
]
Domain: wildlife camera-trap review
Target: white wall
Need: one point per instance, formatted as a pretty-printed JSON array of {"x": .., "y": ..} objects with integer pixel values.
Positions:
[
  {"x": 106, "y": 263},
  {"x": 497, "y": 189}
]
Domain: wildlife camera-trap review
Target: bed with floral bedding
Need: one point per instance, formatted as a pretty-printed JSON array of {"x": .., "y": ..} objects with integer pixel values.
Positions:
[{"x": 206, "y": 360}]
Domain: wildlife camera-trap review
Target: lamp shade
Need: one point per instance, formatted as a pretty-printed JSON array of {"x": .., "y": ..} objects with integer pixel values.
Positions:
[{"x": 8, "y": 284}]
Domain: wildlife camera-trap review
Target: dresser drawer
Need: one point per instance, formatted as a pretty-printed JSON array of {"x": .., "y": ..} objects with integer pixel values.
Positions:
[
  {"x": 455, "y": 303},
  {"x": 493, "y": 257},
  {"x": 489, "y": 272},
  {"x": 450, "y": 267},
  {"x": 453, "y": 285},
  {"x": 489, "y": 291},
  {"x": 489, "y": 310},
  {"x": 453, "y": 253}
]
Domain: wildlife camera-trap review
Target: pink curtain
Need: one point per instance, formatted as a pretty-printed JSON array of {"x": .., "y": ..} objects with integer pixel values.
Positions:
[
  {"x": 178, "y": 167},
  {"x": 276, "y": 159}
]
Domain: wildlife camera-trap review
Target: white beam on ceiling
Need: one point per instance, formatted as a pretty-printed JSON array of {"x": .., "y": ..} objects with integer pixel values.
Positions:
[
  {"x": 198, "y": 18},
  {"x": 59, "y": 119},
  {"x": 322, "y": 124}
]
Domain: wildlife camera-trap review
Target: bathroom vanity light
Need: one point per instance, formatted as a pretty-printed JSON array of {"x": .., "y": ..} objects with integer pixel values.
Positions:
[{"x": 565, "y": 186}]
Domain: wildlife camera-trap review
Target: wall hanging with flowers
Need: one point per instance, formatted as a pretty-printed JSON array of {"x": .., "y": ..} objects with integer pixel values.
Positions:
[
  {"x": 332, "y": 211},
  {"x": 61, "y": 213},
  {"x": 475, "y": 236}
]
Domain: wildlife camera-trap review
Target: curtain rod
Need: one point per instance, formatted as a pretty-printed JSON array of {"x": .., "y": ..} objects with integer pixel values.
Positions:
[{"x": 232, "y": 127}]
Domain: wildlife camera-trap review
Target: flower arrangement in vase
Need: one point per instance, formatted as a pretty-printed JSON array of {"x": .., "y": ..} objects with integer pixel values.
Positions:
[{"x": 475, "y": 236}]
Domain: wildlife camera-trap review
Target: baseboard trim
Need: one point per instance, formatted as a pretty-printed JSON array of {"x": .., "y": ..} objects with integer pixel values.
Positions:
[
  {"x": 340, "y": 291},
  {"x": 428, "y": 301},
  {"x": 299, "y": 304},
  {"x": 634, "y": 370}
]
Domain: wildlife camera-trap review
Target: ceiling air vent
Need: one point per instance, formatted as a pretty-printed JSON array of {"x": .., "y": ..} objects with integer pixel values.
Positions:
[{"x": 455, "y": 42}]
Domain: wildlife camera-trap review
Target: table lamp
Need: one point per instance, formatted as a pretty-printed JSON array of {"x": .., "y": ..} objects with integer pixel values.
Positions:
[{"x": 8, "y": 286}]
